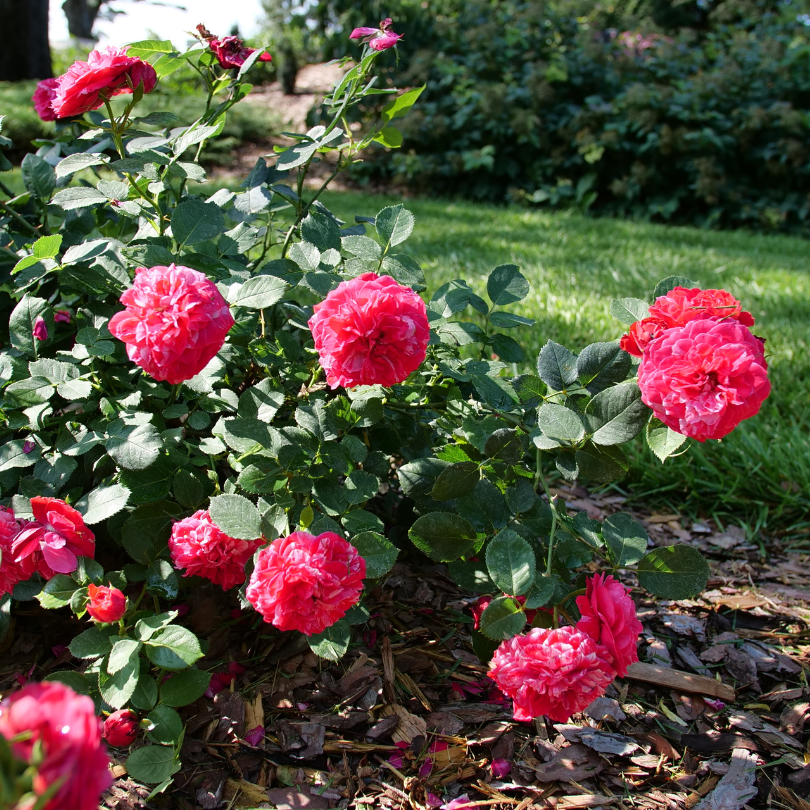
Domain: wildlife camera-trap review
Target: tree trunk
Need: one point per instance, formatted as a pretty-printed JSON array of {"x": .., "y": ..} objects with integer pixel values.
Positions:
[
  {"x": 25, "y": 53},
  {"x": 81, "y": 17}
]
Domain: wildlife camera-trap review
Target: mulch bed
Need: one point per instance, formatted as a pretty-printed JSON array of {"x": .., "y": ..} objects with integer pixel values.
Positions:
[{"x": 408, "y": 719}]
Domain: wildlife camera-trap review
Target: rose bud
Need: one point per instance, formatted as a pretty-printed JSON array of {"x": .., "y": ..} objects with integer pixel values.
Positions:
[
  {"x": 121, "y": 728},
  {"x": 106, "y": 604}
]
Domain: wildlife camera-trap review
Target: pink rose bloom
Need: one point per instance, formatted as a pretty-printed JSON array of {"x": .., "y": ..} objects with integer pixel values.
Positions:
[
  {"x": 107, "y": 604},
  {"x": 64, "y": 727},
  {"x": 378, "y": 39},
  {"x": 43, "y": 99},
  {"x": 11, "y": 572},
  {"x": 55, "y": 539},
  {"x": 231, "y": 52},
  {"x": 174, "y": 323},
  {"x": 200, "y": 547},
  {"x": 61, "y": 316},
  {"x": 40, "y": 331},
  {"x": 609, "y": 618},
  {"x": 121, "y": 728},
  {"x": 306, "y": 583},
  {"x": 704, "y": 378},
  {"x": 370, "y": 331},
  {"x": 106, "y": 73},
  {"x": 555, "y": 673}
]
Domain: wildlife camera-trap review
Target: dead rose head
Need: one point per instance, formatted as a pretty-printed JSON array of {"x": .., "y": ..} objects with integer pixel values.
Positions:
[
  {"x": 370, "y": 330},
  {"x": 231, "y": 52},
  {"x": 174, "y": 323}
]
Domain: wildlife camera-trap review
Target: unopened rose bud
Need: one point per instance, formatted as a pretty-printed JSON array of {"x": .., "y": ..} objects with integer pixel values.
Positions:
[
  {"x": 106, "y": 605},
  {"x": 40, "y": 329},
  {"x": 121, "y": 728}
]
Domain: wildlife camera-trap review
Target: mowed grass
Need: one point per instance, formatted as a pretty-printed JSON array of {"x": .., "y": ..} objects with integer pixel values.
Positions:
[{"x": 759, "y": 476}]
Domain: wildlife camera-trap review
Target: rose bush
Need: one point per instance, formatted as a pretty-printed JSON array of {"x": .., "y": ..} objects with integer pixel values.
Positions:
[{"x": 241, "y": 387}]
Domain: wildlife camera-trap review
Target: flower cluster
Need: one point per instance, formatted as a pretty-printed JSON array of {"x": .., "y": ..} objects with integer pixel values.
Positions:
[
  {"x": 559, "y": 672},
  {"x": 702, "y": 370},
  {"x": 370, "y": 330},
  {"x": 200, "y": 547},
  {"x": 86, "y": 85},
  {"x": 174, "y": 323},
  {"x": 306, "y": 583},
  {"x": 60, "y": 731},
  {"x": 378, "y": 39}
]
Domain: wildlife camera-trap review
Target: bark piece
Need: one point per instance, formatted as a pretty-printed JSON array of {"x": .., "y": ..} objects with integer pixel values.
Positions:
[
  {"x": 571, "y": 764},
  {"x": 736, "y": 787},
  {"x": 680, "y": 681}
]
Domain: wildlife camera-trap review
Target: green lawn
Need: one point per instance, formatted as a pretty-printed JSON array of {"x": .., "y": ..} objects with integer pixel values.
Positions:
[{"x": 760, "y": 474}]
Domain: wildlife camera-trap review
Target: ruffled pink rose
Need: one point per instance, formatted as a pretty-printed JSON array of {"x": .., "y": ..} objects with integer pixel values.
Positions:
[
  {"x": 11, "y": 572},
  {"x": 43, "y": 99},
  {"x": 371, "y": 330},
  {"x": 306, "y": 583},
  {"x": 609, "y": 618},
  {"x": 55, "y": 539},
  {"x": 200, "y": 547},
  {"x": 63, "y": 727},
  {"x": 704, "y": 378},
  {"x": 555, "y": 673},
  {"x": 378, "y": 39},
  {"x": 106, "y": 73},
  {"x": 174, "y": 323},
  {"x": 678, "y": 307}
]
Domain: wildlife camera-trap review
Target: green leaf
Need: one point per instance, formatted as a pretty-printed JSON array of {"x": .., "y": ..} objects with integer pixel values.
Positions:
[
  {"x": 38, "y": 176},
  {"x": 511, "y": 563},
  {"x": 133, "y": 447},
  {"x": 161, "y": 579},
  {"x": 146, "y": 628},
  {"x": 188, "y": 489},
  {"x": 482, "y": 646},
  {"x": 191, "y": 137},
  {"x": 508, "y": 320},
  {"x": 601, "y": 464},
  {"x": 57, "y": 592},
  {"x": 75, "y": 680},
  {"x": 70, "y": 198},
  {"x": 506, "y": 285},
  {"x": 405, "y": 270},
  {"x": 147, "y": 530},
  {"x": 471, "y": 575},
  {"x": 674, "y": 572},
  {"x": 671, "y": 282},
  {"x": 102, "y": 503},
  {"x": 400, "y": 106},
  {"x": 663, "y": 440},
  {"x": 617, "y": 413},
  {"x": 601, "y": 365},
  {"x": 506, "y": 445},
  {"x": 379, "y": 554},
  {"x": 21, "y": 323},
  {"x": 92, "y": 643},
  {"x": 152, "y": 764},
  {"x": 541, "y": 591},
  {"x": 625, "y": 538},
  {"x": 259, "y": 292},
  {"x": 168, "y": 727},
  {"x": 145, "y": 695},
  {"x": 173, "y": 648},
  {"x": 360, "y": 487},
  {"x": 390, "y": 137},
  {"x": 507, "y": 348},
  {"x": 321, "y": 231},
  {"x": 158, "y": 119},
  {"x": 455, "y": 481},
  {"x": 443, "y": 536},
  {"x": 560, "y": 423},
  {"x": 333, "y": 643},
  {"x": 502, "y": 619},
  {"x": 262, "y": 401},
  {"x": 629, "y": 310},
  {"x": 145, "y": 48},
  {"x": 394, "y": 225},
  {"x": 47, "y": 247},
  {"x": 236, "y": 516},
  {"x": 363, "y": 247},
  {"x": 557, "y": 366},
  {"x": 123, "y": 651},
  {"x": 13, "y": 455},
  {"x": 194, "y": 221},
  {"x": 184, "y": 687},
  {"x": 77, "y": 162},
  {"x": 117, "y": 689}
]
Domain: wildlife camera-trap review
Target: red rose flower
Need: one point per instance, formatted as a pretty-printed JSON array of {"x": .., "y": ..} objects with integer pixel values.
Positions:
[
  {"x": 11, "y": 572},
  {"x": 106, "y": 73},
  {"x": 682, "y": 305},
  {"x": 306, "y": 583},
  {"x": 478, "y": 610},
  {"x": 642, "y": 333},
  {"x": 174, "y": 323},
  {"x": 43, "y": 99},
  {"x": 200, "y": 547},
  {"x": 55, "y": 539},
  {"x": 704, "y": 378},
  {"x": 121, "y": 728},
  {"x": 63, "y": 728},
  {"x": 555, "y": 673},
  {"x": 371, "y": 330},
  {"x": 609, "y": 618},
  {"x": 231, "y": 52},
  {"x": 106, "y": 605}
]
